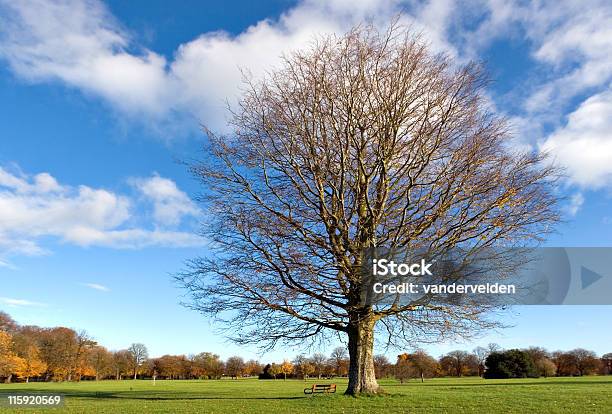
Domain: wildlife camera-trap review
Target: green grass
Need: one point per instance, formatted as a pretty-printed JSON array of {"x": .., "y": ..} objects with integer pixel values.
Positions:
[{"x": 443, "y": 395}]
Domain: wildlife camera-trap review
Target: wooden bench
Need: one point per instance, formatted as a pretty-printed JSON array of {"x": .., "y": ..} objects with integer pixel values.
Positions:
[{"x": 320, "y": 388}]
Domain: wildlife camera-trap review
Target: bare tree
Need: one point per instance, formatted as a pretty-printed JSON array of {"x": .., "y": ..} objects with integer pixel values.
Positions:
[
  {"x": 493, "y": 347},
  {"x": 586, "y": 361},
  {"x": 318, "y": 362},
  {"x": 139, "y": 354},
  {"x": 481, "y": 354},
  {"x": 361, "y": 141},
  {"x": 382, "y": 366},
  {"x": 234, "y": 367},
  {"x": 339, "y": 360},
  {"x": 459, "y": 361}
]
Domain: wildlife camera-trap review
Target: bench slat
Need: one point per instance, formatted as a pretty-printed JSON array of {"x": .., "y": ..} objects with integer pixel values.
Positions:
[{"x": 320, "y": 388}]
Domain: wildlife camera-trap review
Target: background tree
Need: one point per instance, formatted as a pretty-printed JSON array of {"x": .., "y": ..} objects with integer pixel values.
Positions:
[
  {"x": 275, "y": 369},
  {"x": 402, "y": 369},
  {"x": 364, "y": 140},
  {"x": 606, "y": 361},
  {"x": 7, "y": 323},
  {"x": 546, "y": 368},
  {"x": 10, "y": 363},
  {"x": 339, "y": 360},
  {"x": 58, "y": 348},
  {"x": 586, "y": 361},
  {"x": 512, "y": 363},
  {"x": 209, "y": 365},
  {"x": 79, "y": 363},
  {"x": 423, "y": 365},
  {"x": 139, "y": 354},
  {"x": 286, "y": 368},
  {"x": 122, "y": 361},
  {"x": 253, "y": 367},
  {"x": 234, "y": 366},
  {"x": 26, "y": 346},
  {"x": 32, "y": 365},
  {"x": 319, "y": 361},
  {"x": 493, "y": 347},
  {"x": 382, "y": 366},
  {"x": 565, "y": 362},
  {"x": 481, "y": 355},
  {"x": 542, "y": 361},
  {"x": 457, "y": 362}
]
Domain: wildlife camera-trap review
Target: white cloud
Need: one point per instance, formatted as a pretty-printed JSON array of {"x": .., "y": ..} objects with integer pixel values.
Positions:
[
  {"x": 97, "y": 286},
  {"x": 32, "y": 208},
  {"x": 20, "y": 302},
  {"x": 584, "y": 144},
  {"x": 575, "y": 203},
  {"x": 169, "y": 203},
  {"x": 79, "y": 43},
  {"x": 6, "y": 264}
]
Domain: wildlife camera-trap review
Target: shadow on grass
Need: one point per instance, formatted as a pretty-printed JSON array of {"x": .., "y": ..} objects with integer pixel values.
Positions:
[
  {"x": 508, "y": 382},
  {"x": 145, "y": 395}
]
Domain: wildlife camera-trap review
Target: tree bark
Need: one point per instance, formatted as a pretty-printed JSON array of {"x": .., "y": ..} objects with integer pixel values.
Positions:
[{"x": 362, "y": 379}]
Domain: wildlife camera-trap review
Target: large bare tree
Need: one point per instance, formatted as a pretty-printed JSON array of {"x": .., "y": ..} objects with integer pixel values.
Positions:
[{"x": 359, "y": 141}]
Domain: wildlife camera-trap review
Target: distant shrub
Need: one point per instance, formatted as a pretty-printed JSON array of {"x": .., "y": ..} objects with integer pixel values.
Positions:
[{"x": 513, "y": 363}]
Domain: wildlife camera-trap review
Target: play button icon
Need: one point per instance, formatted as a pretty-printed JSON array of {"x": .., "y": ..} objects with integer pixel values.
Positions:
[{"x": 588, "y": 277}]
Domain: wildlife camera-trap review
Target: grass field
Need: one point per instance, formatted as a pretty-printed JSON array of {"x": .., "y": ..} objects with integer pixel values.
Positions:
[{"x": 444, "y": 395}]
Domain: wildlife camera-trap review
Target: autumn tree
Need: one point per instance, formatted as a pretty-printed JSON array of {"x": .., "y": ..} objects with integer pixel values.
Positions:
[
  {"x": 7, "y": 323},
  {"x": 275, "y": 369},
  {"x": 586, "y": 361},
  {"x": 456, "y": 362},
  {"x": 302, "y": 366},
  {"x": 382, "y": 366},
  {"x": 286, "y": 368},
  {"x": 424, "y": 365},
  {"x": 418, "y": 364},
  {"x": 138, "y": 355},
  {"x": 32, "y": 365},
  {"x": 402, "y": 369},
  {"x": 79, "y": 362},
  {"x": 122, "y": 361},
  {"x": 253, "y": 367},
  {"x": 10, "y": 363},
  {"x": 208, "y": 364},
  {"x": 361, "y": 141},
  {"x": 58, "y": 350},
  {"x": 546, "y": 368},
  {"x": 541, "y": 358}
]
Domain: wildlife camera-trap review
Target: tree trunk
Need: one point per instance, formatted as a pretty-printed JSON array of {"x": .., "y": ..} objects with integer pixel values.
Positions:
[{"x": 362, "y": 379}]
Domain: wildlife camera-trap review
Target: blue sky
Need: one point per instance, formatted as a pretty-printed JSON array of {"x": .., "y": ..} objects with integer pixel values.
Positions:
[{"x": 99, "y": 100}]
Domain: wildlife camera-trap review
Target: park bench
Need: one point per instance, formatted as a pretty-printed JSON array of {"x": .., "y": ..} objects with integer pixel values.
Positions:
[{"x": 320, "y": 388}]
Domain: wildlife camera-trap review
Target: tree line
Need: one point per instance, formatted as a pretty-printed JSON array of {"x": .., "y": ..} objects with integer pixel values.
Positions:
[{"x": 63, "y": 354}]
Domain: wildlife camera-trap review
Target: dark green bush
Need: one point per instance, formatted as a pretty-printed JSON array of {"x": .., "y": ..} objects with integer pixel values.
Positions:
[{"x": 513, "y": 363}]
